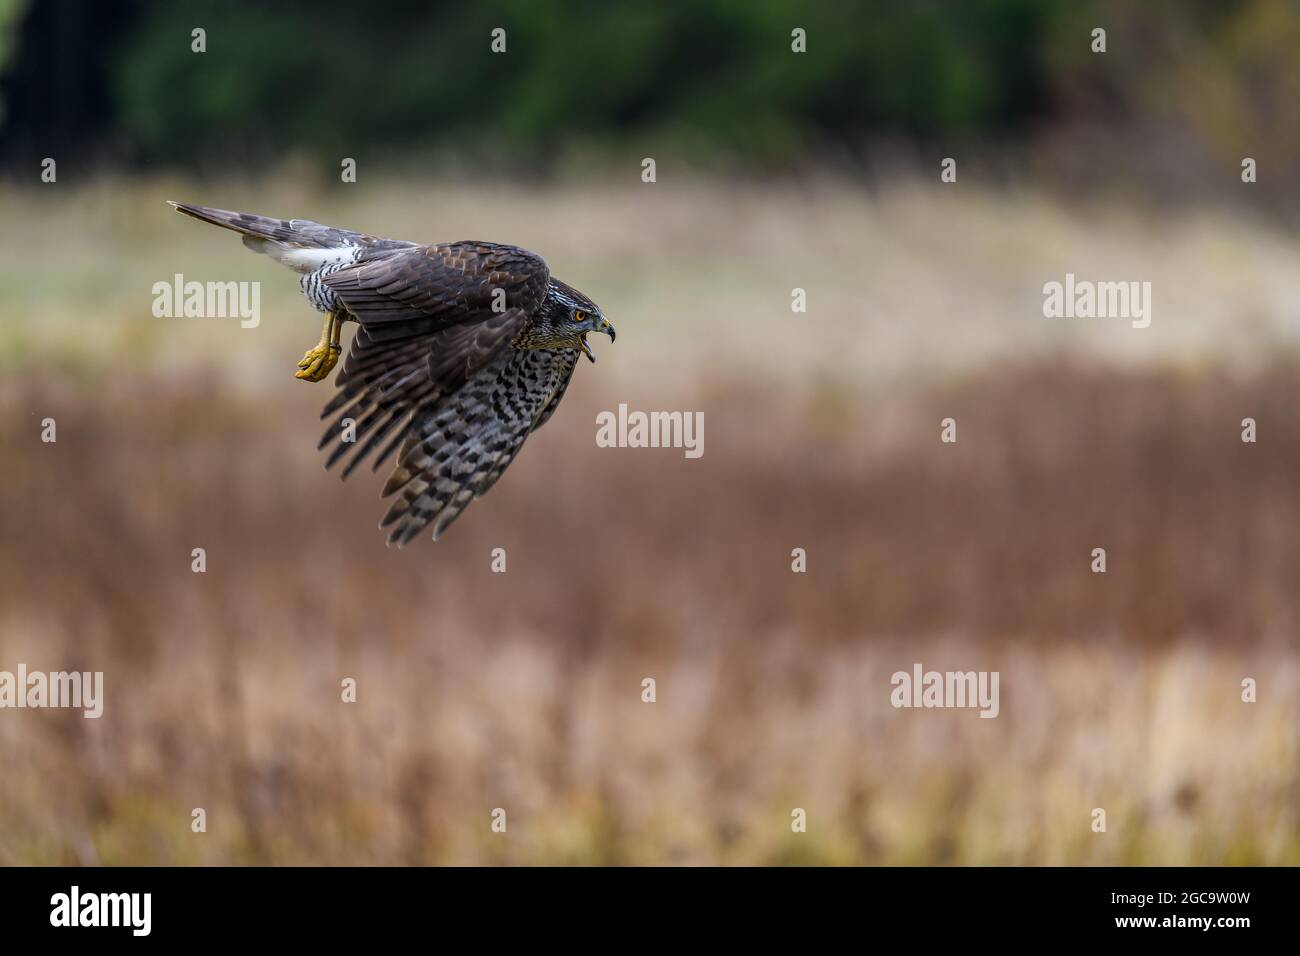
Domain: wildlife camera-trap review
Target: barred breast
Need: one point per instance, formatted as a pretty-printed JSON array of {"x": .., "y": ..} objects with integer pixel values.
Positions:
[{"x": 321, "y": 296}]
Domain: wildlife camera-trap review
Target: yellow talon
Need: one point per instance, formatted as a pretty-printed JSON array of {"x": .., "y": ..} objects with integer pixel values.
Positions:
[{"x": 318, "y": 362}]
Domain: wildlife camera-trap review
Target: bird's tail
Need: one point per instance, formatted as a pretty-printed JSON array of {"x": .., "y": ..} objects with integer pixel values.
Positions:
[{"x": 297, "y": 232}]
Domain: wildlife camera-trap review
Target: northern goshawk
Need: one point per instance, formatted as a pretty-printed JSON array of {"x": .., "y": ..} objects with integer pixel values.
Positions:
[{"x": 463, "y": 350}]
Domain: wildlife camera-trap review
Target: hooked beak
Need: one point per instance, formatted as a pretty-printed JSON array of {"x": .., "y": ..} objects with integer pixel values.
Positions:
[{"x": 605, "y": 327}]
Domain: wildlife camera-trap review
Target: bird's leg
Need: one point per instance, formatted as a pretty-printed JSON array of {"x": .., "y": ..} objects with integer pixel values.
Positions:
[{"x": 319, "y": 361}]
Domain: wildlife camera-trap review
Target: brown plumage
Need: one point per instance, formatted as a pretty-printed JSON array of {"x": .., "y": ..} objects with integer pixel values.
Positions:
[{"x": 463, "y": 350}]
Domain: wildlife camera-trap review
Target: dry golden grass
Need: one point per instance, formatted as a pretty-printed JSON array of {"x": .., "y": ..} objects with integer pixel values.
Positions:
[{"x": 522, "y": 690}]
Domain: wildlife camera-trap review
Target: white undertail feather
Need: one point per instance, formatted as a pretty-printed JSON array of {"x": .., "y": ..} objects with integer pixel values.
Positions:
[{"x": 299, "y": 259}]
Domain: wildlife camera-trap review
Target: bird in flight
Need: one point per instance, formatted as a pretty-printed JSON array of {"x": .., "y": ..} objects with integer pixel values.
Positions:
[{"x": 463, "y": 350}]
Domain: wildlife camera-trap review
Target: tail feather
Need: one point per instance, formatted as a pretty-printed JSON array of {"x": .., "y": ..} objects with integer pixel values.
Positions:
[{"x": 295, "y": 232}]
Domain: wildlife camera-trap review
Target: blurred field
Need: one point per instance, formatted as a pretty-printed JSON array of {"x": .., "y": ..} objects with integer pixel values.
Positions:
[{"x": 522, "y": 690}]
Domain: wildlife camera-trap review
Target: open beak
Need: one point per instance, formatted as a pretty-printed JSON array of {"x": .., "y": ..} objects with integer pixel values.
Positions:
[{"x": 605, "y": 327}]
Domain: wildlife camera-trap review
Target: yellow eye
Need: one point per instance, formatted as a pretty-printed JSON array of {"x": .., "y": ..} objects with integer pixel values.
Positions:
[{"x": 579, "y": 316}]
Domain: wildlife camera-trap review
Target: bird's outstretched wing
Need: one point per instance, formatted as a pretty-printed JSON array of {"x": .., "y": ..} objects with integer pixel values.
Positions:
[
  {"x": 431, "y": 369},
  {"x": 457, "y": 448}
]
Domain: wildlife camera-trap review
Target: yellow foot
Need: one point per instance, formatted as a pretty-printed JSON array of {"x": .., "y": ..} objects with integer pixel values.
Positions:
[{"x": 318, "y": 362}]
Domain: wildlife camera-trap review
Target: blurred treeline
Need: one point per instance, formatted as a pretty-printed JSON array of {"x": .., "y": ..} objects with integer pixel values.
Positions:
[{"x": 1198, "y": 82}]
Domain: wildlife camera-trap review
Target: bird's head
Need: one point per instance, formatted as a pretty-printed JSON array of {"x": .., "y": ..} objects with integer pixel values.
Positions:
[{"x": 565, "y": 318}]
